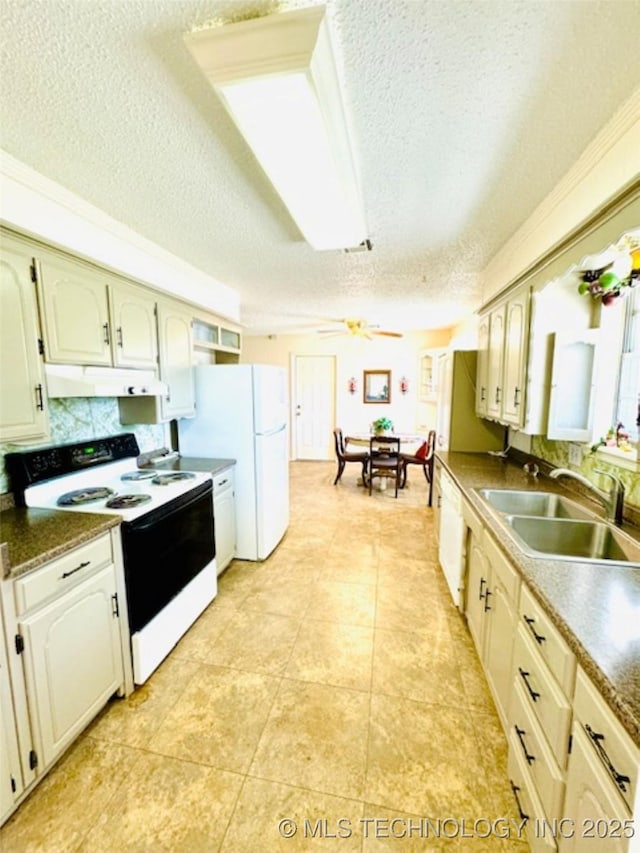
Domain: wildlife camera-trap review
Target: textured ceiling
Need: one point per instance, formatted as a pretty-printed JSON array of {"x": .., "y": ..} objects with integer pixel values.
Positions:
[{"x": 464, "y": 116}]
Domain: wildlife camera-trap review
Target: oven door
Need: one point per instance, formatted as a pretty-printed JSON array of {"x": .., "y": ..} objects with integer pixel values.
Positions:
[{"x": 164, "y": 550}]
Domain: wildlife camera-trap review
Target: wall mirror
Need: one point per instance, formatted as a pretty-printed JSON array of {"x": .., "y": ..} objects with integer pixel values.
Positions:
[{"x": 376, "y": 386}]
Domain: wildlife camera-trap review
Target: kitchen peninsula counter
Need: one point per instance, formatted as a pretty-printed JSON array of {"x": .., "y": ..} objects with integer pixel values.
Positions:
[
  {"x": 32, "y": 537},
  {"x": 595, "y": 606}
]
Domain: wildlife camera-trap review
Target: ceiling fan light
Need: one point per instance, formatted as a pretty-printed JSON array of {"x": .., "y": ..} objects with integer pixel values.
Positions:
[{"x": 276, "y": 77}]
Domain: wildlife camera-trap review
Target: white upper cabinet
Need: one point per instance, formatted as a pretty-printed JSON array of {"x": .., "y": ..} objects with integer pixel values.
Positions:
[
  {"x": 91, "y": 318},
  {"x": 23, "y": 412},
  {"x": 175, "y": 338},
  {"x": 502, "y": 352},
  {"x": 75, "y": 306},
  {"x": 573, "y": 386},
  {"x": 134, "y": 319}
]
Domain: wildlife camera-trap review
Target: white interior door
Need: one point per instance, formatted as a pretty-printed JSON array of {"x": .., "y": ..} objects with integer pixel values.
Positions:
[{"x": 314, "y": 406}]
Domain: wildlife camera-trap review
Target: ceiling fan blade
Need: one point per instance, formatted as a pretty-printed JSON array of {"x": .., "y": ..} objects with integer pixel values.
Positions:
[{"x": 389, "y": 334}]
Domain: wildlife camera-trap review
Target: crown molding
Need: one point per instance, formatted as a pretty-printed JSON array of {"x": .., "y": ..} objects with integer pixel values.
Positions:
[
  {"x": 41, "y": 208},
  {"x": 609, "y": 164}
]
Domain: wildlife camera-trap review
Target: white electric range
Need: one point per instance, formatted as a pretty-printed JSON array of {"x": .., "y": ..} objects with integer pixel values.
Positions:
[{"x": 167, "y": 530}]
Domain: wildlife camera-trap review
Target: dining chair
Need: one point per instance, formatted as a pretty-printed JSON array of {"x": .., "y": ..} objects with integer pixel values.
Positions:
[
  {"x": 424, "y": 456},
  {"x": 343, "y": 456},
  {"x": 384, "y": 460}
]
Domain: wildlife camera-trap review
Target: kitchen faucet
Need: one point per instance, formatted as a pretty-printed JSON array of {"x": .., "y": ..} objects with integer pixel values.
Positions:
[{"x": 613, "y": 500}]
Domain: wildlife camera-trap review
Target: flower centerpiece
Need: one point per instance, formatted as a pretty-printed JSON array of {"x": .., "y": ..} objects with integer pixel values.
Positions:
[{"x": 381, "y": 426}]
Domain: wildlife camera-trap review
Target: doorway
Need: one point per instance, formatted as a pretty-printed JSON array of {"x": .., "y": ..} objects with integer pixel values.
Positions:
[{"x": 313, "y": 406}]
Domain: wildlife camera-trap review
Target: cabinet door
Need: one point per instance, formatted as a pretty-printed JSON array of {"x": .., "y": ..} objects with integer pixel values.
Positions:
[
  {"x": 482, "y": 375},
  {"x": 502, "y": 621},
  {"x": 76, "y": 313},
  {"x": 72, "y": 660},
  {"x": 495, "y": 362},
  {"x": 477, "y": 579},
  {"x": 11, "y": 783},
  {"x": 224, "y": 513},
  {"x": 175, "y": 342},
  {"x": 591, "y": 801},
  {"x": 515, "y": 353},
  {"x": 134, "y": 327},
  {"x": 23, "y": 413}
]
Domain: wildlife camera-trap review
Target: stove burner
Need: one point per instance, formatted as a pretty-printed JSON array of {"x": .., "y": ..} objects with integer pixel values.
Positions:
[
  {"x": 127, "y": 501},
  {"x": 138, "y": 475},
  {"x": 172, "y": 477},
  {"x": 84, "y": 496}
]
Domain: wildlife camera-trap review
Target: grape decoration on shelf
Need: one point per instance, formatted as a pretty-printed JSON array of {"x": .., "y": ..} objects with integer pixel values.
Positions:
[{"x": 606, "y": 276}]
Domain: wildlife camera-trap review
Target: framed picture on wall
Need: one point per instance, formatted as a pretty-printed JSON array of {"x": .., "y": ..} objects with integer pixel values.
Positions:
[{"x": 376, "y": 386}]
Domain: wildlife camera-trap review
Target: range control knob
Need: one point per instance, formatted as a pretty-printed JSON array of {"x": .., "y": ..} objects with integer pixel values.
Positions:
[{"x": 131, "y": 389}]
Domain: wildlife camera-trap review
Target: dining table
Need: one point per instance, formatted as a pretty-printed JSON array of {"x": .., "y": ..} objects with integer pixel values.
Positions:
[{"x": 409, "y": 443}]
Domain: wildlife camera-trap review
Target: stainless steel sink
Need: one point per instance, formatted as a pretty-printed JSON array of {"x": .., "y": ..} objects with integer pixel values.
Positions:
[
  {"x": 573, "y": 539},
  {"x": 542, "y": 504}
]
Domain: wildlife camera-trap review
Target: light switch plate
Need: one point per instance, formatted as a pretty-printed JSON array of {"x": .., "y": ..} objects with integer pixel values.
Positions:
[{"x": 575, "y": 454}]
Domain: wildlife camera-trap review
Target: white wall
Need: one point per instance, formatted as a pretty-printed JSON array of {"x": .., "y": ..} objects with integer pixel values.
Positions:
[{"x": 353, "y": 356}]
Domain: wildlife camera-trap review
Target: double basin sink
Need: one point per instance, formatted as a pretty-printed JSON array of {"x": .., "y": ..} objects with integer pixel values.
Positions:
[{"x": 545, "y": 524}]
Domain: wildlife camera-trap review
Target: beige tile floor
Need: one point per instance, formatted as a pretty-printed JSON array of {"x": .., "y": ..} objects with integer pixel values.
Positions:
[{"x": 334, "y": 685}]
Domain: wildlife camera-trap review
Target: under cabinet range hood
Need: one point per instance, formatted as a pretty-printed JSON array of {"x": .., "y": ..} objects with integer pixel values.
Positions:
[{"x": 70, "y": 380}]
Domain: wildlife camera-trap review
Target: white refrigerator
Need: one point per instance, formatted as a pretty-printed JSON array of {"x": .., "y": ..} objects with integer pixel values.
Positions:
[{"x": 241, "y": 414}]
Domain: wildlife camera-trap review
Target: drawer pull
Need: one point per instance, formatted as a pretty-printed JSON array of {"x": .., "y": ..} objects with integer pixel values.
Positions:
[
  {"x": 538, "y": 637},
  {"x": 486, "y": 600},
  {"x": 222, "y": 482},
  {"x": 105, "y": 329},
  {"x": 515, "y": 790},
  {"x": 525, "y": 677},
  {"x": 82, "y": 565},
  {"x": 597, "y": 738},
  {"x": 480, "y": 592},
  {"x": 521, "y": 733}
]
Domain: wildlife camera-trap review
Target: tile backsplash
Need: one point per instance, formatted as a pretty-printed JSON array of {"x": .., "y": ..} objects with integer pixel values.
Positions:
[{"x": 83, "y": 418}]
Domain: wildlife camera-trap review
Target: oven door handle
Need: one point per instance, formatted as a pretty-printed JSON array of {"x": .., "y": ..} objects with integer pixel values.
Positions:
[{"x": 180, "y": 503}]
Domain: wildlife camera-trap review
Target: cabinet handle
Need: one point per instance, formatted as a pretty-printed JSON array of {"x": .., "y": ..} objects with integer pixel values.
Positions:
[
  {"x": 105, "y": 329},
  {"x": 521, "y": 733},
  {"x": 119, "y": 336},
  {"x": 486, "y": 600},
  {"x": 77, "y": 569},
  {"x": 516, "y": 394},
  {"x": 480, "y": 592},
  {"x": 525, "y": 677},
  {"x": 497, "y": 393},
  {"x": 597, "y": 738},
  {"x": 222, "y": 482},
  {"x": 538, "y": 637},
  {"x": 515, "y": 790},
  {"x": 483, "y": 395},
  {"x": 39, "y": 398}
]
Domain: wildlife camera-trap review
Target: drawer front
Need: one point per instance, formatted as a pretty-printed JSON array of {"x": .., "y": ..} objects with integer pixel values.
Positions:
[
  {"x": 528, "y": 803},
  {"x": 503, "y": 569},
  {"x": 543, "y": 695},
  {"x": 61, "y": 574},
  {"x": 222, "y": 481},
  {"x": 547, "y": 640},
  {"x": 616, "y": 751},
  {"x": 526, "y": 736}
]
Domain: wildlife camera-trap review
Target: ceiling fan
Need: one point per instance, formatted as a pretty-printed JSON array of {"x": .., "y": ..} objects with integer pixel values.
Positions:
[{"x": 359, "y": 329}]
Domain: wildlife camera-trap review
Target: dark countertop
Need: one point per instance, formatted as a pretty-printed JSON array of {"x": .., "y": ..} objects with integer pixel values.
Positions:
[
  {"x": 596, "y": 607},
  {"x": 32, "y": 537},
  {"x": 192, "y": 463}
]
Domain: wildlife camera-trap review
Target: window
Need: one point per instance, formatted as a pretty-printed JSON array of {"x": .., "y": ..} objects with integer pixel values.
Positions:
[{"x": 628, "y": 394}]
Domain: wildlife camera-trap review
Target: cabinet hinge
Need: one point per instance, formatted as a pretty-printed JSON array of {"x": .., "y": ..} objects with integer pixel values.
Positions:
[
  {"x": 34, "y": 272},
  {"x": 40, "y": 346},
  {"x": 19, "y": 641},
  {"x": 14, "y": 787},
  {"x": 115, "y": 608},
  {"x": 33, "y": 759}
]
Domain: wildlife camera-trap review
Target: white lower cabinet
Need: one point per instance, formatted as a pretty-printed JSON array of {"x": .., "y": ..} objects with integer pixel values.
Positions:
[
  {"x": 11, "y": 781},
  {"x": 224, "y": 514},
  {"x": 72, "y": 660},
  {"x": 602, "y": 778},
  {"x": 65, "y": 649}
]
